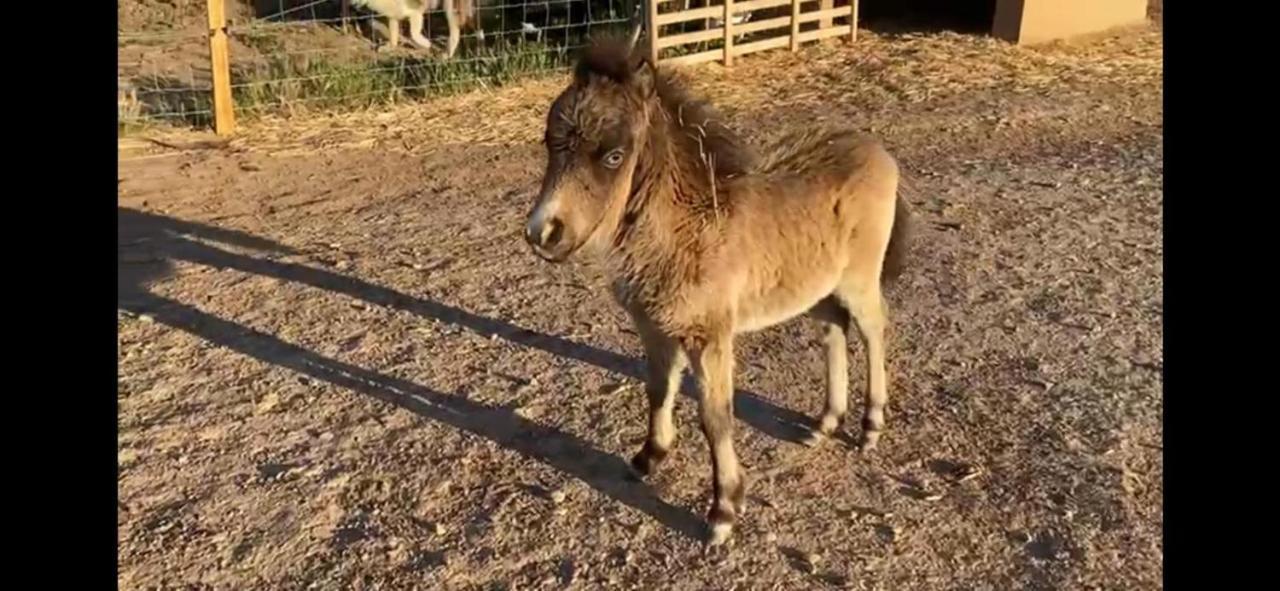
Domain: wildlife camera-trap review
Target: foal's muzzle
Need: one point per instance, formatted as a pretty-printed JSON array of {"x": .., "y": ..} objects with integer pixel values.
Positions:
[{"x": 546, "y": 234}]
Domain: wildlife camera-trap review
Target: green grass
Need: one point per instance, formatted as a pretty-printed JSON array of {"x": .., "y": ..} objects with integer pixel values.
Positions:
[
  {"x": 287, "y": 83},
  {"x": 284, "y": 83},
  {"x": 157, "y": 100}
]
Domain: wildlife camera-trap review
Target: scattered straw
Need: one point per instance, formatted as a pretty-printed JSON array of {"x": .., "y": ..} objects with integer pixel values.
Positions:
[{"x": 876, "y": 72}]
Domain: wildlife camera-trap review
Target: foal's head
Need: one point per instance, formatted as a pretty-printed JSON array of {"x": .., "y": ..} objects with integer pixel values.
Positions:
[{"x": 595, "y": 132}]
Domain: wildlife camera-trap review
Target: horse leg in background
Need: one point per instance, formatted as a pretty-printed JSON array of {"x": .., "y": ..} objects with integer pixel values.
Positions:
[
  {"x": 455, "y": 32},
  {"x": 477, "y": 19},
  {"x": 415, "y": 31},
  {"x": 391, "y": 31}
]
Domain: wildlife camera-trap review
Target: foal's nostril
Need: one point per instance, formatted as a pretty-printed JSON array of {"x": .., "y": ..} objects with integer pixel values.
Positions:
[{"x": 552, "y": 232}]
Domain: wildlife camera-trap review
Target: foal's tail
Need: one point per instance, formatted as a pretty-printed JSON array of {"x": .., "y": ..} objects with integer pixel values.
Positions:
[{"x": 895, "y": 254}]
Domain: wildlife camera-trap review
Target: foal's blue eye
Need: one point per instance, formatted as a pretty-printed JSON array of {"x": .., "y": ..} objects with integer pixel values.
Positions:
[{"x": 613, "y": 158}]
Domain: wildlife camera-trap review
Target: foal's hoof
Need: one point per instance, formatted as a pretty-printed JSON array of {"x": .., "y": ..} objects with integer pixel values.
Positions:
[
  {"x": 814, "y": 438},
  {"x": 871, "y": 430},
  {"x": 822, "y": 431},
  {"x": 640, "y": 467},
  {"x": 870, "y": 439},
  {"x": 646, "y": 461},
  {"x": 719, "y": 532},
  {"x": 724, "y": 515}
]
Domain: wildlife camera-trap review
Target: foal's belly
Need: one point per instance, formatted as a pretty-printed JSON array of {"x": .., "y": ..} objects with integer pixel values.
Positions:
[{"x": 761, "y": 308}]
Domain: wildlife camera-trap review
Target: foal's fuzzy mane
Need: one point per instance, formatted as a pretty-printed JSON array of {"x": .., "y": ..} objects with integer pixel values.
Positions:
[
  {"x": 698, "y": 130},
  {"x": 608, "y": 56}
]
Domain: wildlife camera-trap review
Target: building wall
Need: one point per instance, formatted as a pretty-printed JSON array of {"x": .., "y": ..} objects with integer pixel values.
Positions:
[{"x": 1037, "y": 21}]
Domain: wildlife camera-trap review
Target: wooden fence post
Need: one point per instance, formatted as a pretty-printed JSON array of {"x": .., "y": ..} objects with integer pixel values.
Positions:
[
  {"x": 728, "y": 33},
  {"x": 825, "y": 22},
  {"x": 853, "y": 20},
  {"x": 795, "y": 25},
  {"x": 224, "y": 112},
  {"x": 652, "y": 18}
]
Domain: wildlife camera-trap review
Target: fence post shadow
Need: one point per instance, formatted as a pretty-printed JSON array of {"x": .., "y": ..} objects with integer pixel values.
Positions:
[
  {"x": 563, "y": 451},
  {"x": 761, "y": 414},
  {"x": 171, "y": 240}
]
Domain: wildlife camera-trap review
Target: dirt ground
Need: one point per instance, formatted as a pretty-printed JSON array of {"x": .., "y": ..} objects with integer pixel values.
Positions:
[{"x": 340, "y": 367}]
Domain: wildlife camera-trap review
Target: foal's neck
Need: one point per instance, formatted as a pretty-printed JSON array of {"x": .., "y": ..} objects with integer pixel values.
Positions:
[
  {"x": 662, "y": 227},
  {"x": 675, "y": 177}
]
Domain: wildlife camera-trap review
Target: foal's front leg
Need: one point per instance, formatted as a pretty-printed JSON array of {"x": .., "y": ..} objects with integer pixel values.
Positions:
[
  {"x": 665, "y": 360},
  {"x": 713, "y": 364}
]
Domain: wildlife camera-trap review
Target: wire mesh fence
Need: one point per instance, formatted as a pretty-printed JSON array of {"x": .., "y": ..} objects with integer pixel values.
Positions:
[
  {"x": 291, "y": 55},
  {"x": 285, "y": 56}
]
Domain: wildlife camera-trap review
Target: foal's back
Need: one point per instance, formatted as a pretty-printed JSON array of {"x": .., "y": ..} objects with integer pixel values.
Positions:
[{"x": 816, "y": 215}]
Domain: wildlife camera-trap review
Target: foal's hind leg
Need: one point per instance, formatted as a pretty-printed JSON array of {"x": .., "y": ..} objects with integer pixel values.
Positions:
[
  {"x": 835, "y": 320},
  {"x": 865, "y": 302},
  {"x": 666, "y": 360}
]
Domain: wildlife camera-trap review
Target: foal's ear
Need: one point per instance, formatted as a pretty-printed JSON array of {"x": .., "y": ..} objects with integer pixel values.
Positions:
[
  {"x": 635, "y": 34},
  {"x": 643, "y": 76},
  {"x": 642, "y": 70}
]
